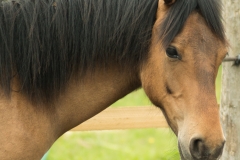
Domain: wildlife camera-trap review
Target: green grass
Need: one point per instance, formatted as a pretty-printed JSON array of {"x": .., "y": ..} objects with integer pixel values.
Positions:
[
  {"x": 116, "y": 145},
  {"x": 141, "y": 144},
  {"x": 136, "y": 98}
]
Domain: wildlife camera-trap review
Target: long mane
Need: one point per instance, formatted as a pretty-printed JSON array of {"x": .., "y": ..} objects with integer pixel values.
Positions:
[{"x": 44, "y": 42}]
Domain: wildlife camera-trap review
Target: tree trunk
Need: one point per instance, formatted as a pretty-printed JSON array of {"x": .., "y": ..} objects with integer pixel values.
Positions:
[{"x": 230, "y": 96}]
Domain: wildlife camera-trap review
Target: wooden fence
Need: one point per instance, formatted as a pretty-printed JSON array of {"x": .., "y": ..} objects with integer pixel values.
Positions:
[{"x": 124, "y": 118}]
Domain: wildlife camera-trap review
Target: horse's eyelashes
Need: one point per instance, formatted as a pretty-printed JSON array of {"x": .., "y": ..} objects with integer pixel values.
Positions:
[{"x": 172, "y": 52}]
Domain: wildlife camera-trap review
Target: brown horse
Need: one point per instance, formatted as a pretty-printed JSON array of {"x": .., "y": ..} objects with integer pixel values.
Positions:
[{"x": 63, "y": 62}]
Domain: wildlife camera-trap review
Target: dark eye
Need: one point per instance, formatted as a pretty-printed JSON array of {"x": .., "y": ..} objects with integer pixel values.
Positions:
[{"x": 172, "y": 52}]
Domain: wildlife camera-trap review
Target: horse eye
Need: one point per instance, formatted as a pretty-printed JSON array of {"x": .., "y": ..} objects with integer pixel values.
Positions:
[{"x": 172, "y": 53}]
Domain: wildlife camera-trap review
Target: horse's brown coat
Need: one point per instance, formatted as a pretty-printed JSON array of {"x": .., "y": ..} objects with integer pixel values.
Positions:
[
  {"x": 29, "y": 131},
  {"x": 184, "y": 89}
]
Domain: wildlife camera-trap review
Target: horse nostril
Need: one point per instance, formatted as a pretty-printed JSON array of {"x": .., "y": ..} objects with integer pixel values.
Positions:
[
  {"x": 218, "y": 151},
  {"x": 198, "y": 149}
]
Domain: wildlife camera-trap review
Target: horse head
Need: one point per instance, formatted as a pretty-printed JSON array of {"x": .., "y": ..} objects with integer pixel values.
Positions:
[{"x": 179, "y": 76}]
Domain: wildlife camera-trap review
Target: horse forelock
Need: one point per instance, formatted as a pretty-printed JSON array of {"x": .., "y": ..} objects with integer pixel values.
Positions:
[
  {"x": 44, "y": 42},
  {"x": 178, "y": 13}
]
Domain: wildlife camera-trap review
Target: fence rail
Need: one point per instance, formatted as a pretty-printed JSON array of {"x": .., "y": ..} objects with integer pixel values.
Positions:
[{"x": 124, "y": 118}]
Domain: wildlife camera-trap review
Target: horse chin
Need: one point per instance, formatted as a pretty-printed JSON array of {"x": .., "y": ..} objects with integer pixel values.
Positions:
[
  {"x": 182, "y": 151},
  {"x": 184, "y": 154},
  {"x": 185, "y": 157}
]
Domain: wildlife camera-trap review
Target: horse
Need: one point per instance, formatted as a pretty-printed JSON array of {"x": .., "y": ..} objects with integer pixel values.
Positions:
[{"x": 63, "y": 62}]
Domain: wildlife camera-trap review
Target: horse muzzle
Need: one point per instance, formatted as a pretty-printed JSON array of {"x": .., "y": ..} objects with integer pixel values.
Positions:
[{"x": 200, "y": 150}]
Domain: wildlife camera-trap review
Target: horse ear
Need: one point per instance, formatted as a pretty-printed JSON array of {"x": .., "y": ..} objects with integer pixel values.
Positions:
[{"x": 169, "y": 2}]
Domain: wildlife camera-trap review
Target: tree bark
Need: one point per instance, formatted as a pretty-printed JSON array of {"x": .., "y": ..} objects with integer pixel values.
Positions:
[{"x": 230, "y": 96}]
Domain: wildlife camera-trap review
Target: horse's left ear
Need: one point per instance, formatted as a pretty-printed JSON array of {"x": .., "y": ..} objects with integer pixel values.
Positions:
[{"x": 169, "y": 2}]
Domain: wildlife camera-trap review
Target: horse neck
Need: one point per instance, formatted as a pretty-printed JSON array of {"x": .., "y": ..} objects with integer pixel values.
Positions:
[
  {"x": 88, "y": 97},
  {"x": 33, "y": 129}
]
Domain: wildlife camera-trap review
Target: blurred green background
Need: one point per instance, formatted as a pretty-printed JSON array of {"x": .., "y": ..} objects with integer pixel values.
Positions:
[{"x": 137, "y": 144}]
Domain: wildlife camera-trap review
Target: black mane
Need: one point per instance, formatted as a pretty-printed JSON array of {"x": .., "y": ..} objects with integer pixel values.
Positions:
[
  {"x": 44, "y": 42},
  {"x": 179, "y": 12}
]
